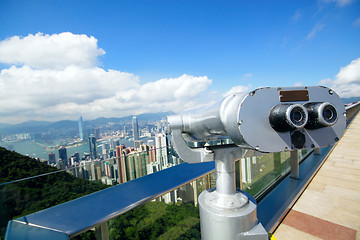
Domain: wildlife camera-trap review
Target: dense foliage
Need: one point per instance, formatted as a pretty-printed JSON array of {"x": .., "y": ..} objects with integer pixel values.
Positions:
[
  {"x": 157, "y": 220},
  {"x": 25, "y": 197}
]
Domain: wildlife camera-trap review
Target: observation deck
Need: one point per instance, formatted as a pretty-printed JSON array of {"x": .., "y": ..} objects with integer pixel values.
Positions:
[
  {"x": 328, "y": 183},
  {"x": 329, "y": 208}
]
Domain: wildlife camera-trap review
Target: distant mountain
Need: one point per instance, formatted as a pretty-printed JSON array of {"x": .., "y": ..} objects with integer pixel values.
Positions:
[
  {"x": 33, "y": 124},
  {"x": 350, "y": 100},
  {"x": 25, "y": 127},
  {"x": 43, "y": 126},
  {"x": 64, "y": 124},
  {"x": 154, "y": 116},
  {"x": 4, "y": 125},
  {"x": 140, "y": 117}
]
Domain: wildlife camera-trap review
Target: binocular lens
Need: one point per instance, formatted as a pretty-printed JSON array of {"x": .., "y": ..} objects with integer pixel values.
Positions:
[
  {"x": 321, "y": 115},
  {"x": 287, "y": 117},
  {"x": 328, "y": 114},
  {"x": 297, "y": 115}
]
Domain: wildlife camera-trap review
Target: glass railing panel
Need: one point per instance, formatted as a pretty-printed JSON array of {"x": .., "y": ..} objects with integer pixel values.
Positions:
[
  {"x": 174, "y": 215},
  {"x": 39, "y": 190},
  {"x": 29, "y": 196},
  {"x": 259, "y": 172}
]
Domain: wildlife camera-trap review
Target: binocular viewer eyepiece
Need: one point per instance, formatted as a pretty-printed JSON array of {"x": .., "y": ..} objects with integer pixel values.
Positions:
[
  {"x": 269, "y": 119},
  {"x": 288, "y": 117}
]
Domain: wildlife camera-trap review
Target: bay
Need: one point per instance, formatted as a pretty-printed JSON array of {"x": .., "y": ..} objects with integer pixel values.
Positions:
[{"x": 35, "y": 150}]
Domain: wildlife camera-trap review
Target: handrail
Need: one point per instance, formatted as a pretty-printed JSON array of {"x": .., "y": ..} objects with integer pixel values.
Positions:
[
  {"x": 102, "y": 206},
  {"x": 351, "y": 110},
  {"x": 94, "y": 209}
]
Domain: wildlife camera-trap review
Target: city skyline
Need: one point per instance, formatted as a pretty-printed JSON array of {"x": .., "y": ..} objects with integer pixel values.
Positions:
[{"x": 64, "y": 60}]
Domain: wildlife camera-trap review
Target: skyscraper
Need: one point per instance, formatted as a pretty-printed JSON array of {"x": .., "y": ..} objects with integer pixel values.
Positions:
[
  {"x": 120, "y": 163},
  {"x": 161, "y": 150},
  {"x": 135, "y": 128},
  {"x": 63, "y": 155},
  {"x": 97, "y": 133},
  {"x": 81, "y": 130},
  {"x": 92, "y": 145},
  {"x": 52, "y": 158}
]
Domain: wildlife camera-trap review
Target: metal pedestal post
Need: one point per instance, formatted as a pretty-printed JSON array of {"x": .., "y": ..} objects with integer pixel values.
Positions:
[{"x": 227, "y": 213}]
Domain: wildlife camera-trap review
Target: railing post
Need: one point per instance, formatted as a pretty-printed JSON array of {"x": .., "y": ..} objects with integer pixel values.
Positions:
[
  {"x": 102, "y": 231},
  {"x": 294, "y": 164},
  {"x": 240, "y": 175},
  {"x": 317, "y": 151},
  {"x": 277, "y": 162}
]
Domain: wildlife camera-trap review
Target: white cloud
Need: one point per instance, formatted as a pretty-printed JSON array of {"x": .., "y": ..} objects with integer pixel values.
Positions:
[
  {"x": 65, "y": 88},
  {"x": 297, "y": 15},
  {"x": 317, "y": 28},
  {"x": 55, "y": 51},
  {"x": 247, "y": 75},
  {"x": 340, "y": 3},
  {"x": 347, "y": 81},
  {"x": 237, "y": 89},
  {"x": 356, "y": 23}
]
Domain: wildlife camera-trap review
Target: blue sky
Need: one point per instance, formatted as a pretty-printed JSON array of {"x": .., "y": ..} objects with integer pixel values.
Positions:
[{"x": 192, "y": 52}]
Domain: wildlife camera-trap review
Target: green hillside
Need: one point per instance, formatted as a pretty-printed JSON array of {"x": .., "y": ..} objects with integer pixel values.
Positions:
[
  {"x": 25, "y": 197},
  {"x": 154, "y": 220}
]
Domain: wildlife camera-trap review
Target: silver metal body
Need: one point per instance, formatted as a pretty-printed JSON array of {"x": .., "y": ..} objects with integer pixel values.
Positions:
[
  {"x": 245, "y": 119},
  {"x": 227, "y": 213},
  {"x": 265, "y": 120}
]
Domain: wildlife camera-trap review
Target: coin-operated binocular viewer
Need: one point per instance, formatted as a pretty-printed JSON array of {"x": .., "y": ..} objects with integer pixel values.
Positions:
[{"x": 264, "y": 120}]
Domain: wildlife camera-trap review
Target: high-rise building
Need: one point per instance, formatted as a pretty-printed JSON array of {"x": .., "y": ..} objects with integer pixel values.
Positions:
[
  {"x": 60, "y": 164},
  {"x": 161, "y": 150},
  {"x": 150, "y": 142},
  {"x": 247, "y": 168},
  {"x": 63, "y": 155},
  {"x": 137, "y": 144},
  {"x": 92, "y": 145},
  {"x": 109, "y": 168},
  {"x": 120, "y": 160},
  {"x": 81, "y": 130},
  {"x": 135, "y": 128},
  {"x": 77, "y": 157},
  {"x": 52, "y": 159},
  {"x": 85, "y": 170},
  {"x": 152, "y": 154},
  {"x": 129, "y": 165},
  {"x": 97, "y": 133},
  {"x": 105, "y": 150}
]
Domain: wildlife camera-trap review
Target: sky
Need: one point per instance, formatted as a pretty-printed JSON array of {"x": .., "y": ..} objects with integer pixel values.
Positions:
[{"x": 63, "y": 59}]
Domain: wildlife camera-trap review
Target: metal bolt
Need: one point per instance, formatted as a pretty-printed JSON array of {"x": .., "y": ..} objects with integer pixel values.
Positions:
[{"x": 331, "y": 92}]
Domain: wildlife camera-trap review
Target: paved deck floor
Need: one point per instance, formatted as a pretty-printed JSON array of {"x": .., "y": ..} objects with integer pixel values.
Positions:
[{"x": 330, "y": 206}]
